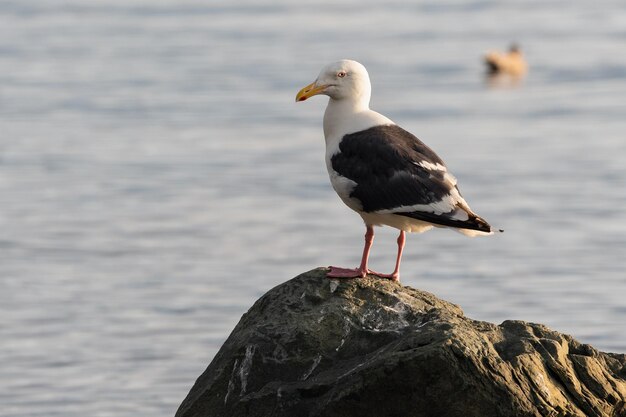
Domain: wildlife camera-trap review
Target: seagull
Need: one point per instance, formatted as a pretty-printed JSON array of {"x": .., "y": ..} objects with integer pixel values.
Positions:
[{"x": 381, "y": 171}]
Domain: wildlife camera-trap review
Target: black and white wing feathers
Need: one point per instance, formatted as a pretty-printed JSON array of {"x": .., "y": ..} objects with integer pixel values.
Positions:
[{"x": 396, "y": 173}]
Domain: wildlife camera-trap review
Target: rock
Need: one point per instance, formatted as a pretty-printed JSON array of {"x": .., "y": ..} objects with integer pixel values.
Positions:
[{"x": 371, "y": 347}]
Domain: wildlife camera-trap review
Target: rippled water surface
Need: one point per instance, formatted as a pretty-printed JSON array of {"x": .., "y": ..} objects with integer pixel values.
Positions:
[{"x": 156, "y": 177}]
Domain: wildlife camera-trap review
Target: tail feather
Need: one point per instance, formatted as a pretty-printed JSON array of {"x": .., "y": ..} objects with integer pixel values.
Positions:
[{"x": 473, "y": 223}]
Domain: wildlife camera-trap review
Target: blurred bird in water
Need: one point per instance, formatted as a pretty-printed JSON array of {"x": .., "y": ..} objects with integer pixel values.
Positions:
[{"x": 511, "y": 62}]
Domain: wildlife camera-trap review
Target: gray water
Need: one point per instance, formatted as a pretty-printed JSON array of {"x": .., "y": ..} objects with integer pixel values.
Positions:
[{"x": 156, "y": 177}]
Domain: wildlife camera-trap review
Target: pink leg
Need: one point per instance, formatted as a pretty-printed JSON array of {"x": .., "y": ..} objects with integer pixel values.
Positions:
[
  {"x": 361, "y": 271},
  {"x": 395, "y": 275}
]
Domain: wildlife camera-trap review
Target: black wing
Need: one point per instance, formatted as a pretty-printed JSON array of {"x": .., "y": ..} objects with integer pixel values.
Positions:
[{"x": 394, "y": 170}]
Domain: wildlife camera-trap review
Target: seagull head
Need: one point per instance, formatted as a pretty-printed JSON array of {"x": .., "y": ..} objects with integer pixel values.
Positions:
[{"x": 341, "y": 80}]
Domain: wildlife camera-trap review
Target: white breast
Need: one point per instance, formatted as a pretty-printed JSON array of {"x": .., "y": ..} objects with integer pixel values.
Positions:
[
  {"x": 341, "y": 119},
  {"x": 338, "y": 123}
]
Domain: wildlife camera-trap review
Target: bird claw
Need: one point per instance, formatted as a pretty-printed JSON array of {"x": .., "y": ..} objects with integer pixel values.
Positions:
[
  {"x": 391, "y": 277},
  {"x": 337, "y": 272}
]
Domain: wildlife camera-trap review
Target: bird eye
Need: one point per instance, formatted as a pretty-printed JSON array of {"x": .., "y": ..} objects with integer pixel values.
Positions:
[{"x": 341, "y": 74}]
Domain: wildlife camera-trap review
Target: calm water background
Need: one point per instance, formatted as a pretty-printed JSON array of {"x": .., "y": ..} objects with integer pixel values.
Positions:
[{"x": 156, "y": 177}]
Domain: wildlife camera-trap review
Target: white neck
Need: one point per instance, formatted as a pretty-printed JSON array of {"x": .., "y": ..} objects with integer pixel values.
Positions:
[
  {"x": 338, "y": 112},
  {"x": 348, "y": 116}
]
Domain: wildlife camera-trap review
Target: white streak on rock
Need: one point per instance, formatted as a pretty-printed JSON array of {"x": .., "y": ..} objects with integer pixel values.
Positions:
[
  {"x": 422, "y": 324},
  {"x": 316, "y": 362},
  {"x": 386, "y": 318},
  {"x": 231, "y": 382},
  {"x": 541, "y": 384},
  {"x": 244, "y": 371},
  {"x": 367, "y": 362},
  {"x": 322, "y": 314},
  {"x": 340, "y": 345}
]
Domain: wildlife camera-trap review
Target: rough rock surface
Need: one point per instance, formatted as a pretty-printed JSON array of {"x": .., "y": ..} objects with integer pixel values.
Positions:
[{"x": 371, "y": 347}]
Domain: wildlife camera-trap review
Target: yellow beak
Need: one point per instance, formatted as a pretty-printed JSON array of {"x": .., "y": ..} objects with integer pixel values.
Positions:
[{"x": 310, "y": 91}]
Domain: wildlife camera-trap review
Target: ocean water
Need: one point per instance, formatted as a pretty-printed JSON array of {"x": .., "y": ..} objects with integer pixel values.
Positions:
[{"x": 156, "y": 176}]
